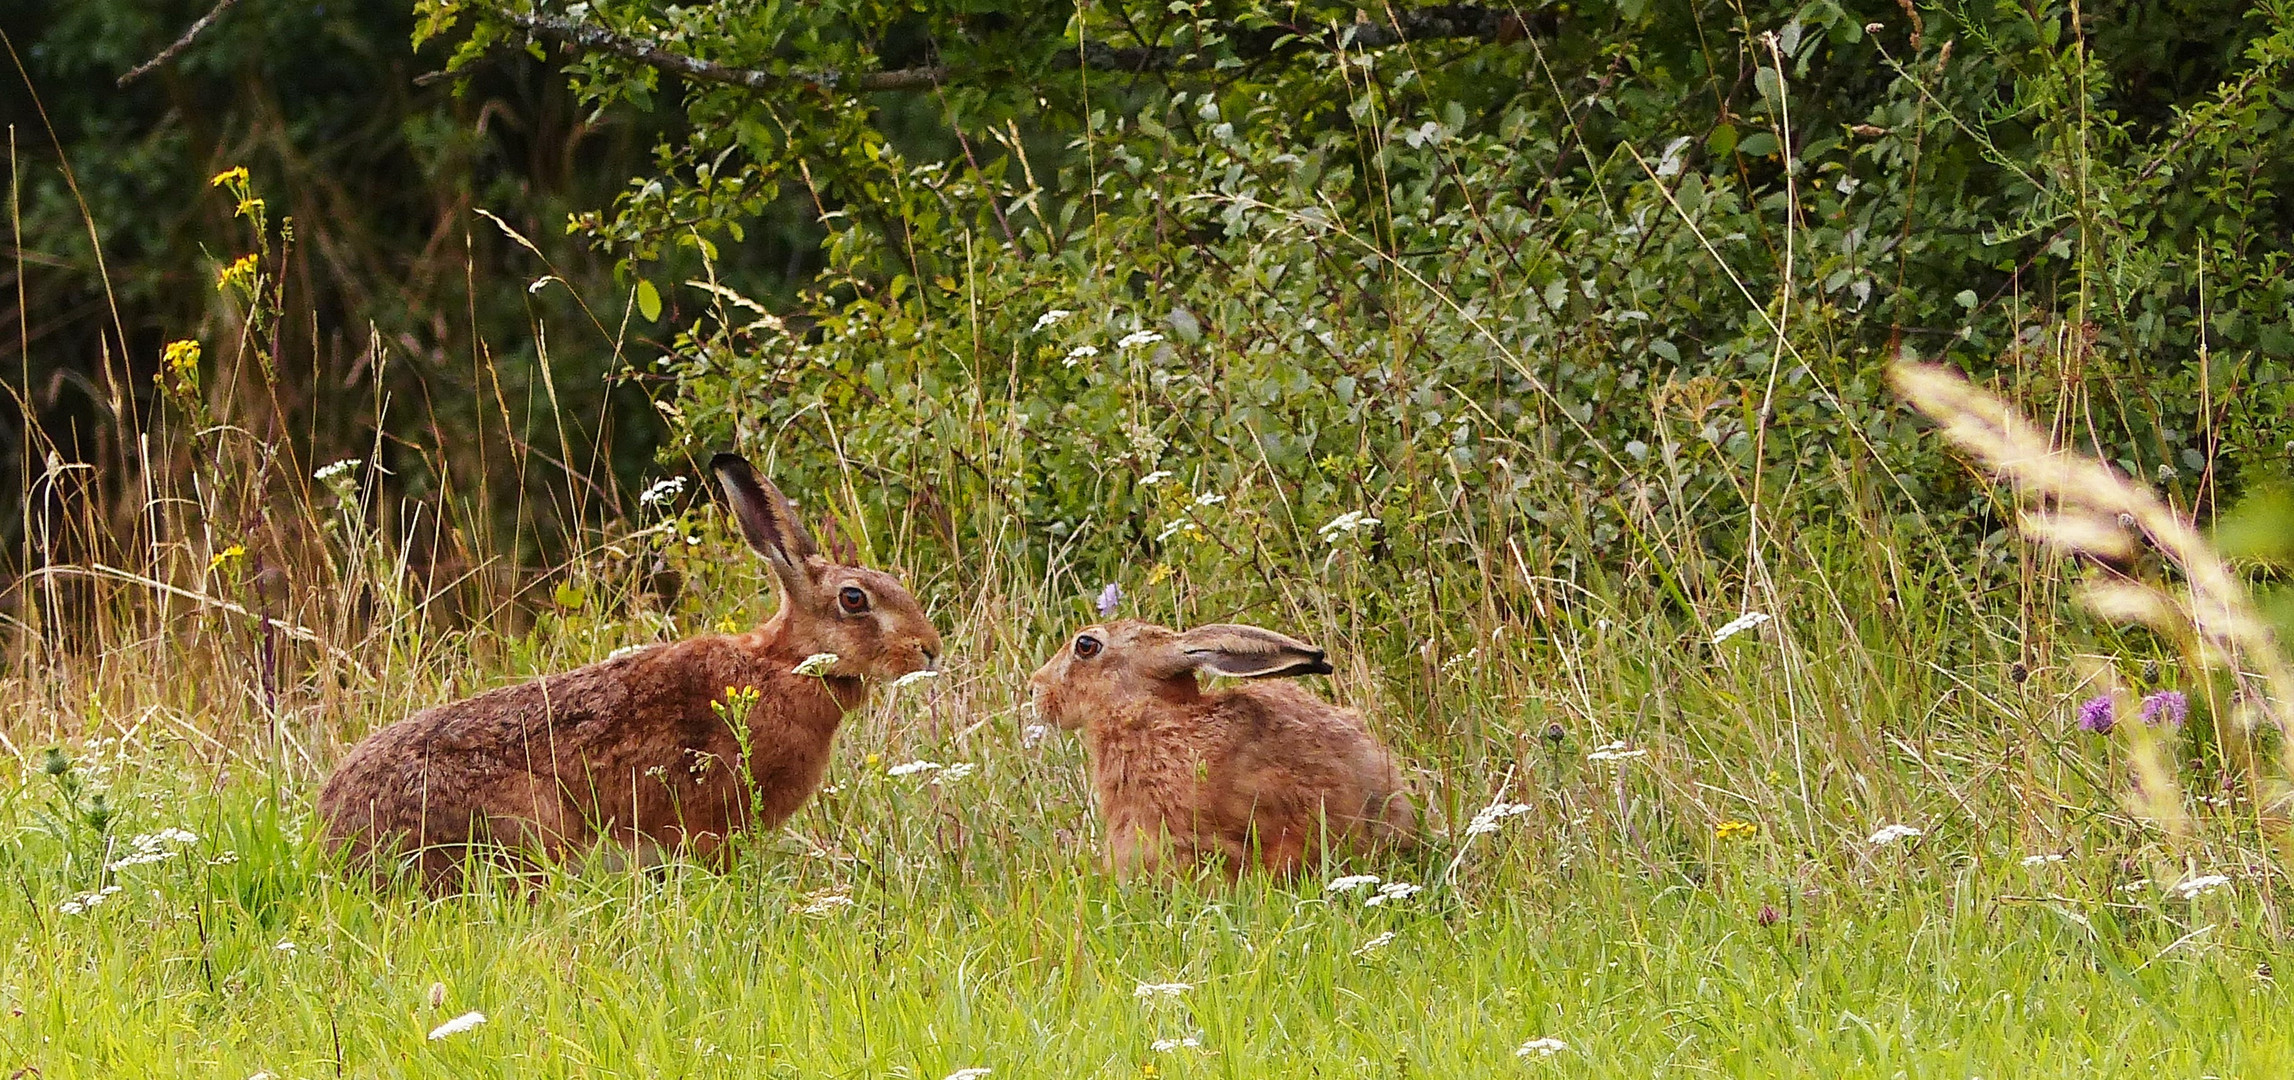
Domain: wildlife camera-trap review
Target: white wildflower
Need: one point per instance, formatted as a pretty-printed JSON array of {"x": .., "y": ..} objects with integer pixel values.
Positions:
[
  {"x": 1351, "y": 882},
  {"x": 911, "y": 768},
  {"x": 1616, "y": 751},
  {"x": 261, "y": 1076},
  {"x": 1348, "y": 522},
  {"x": 662, "y": 491},
  {"x": 1155, "y": 990},
  {"x": 1048, "y": 318},
  {"x": 914, "y": 677},
  {"x": 973, "y": 1073},
  {"x": 1889, "y": 834},
  {"x": 1033, "y": 734},
  {"x": 1545, "y": 1047},
  {"x": 1739, "y": 625},
  {"x": 224, "y": 859},
  {"x": 827, "y": 904},
  {"x": 1154, "y": 478},
  {"x": 816, "y": 664},
  {"x": 1137, "y": 338},
  {"x": 1209, "y": 499},
  {"x": 1375, "y": 944},
  {"x": 82, "y": 904},
  {"x": 285, "y": 946},
  {"x": 2041, "y": 860},
  {"x": 458, "y": 1025},
  {"x": 2194, "y": 887},
  {"x": 1487, "y": 819},
  {"x": 1079, "y": 354},
  {"x": 328, "y": 474},
  {"x": 954, "y": 773},
  {"x": 1184, "y": 1042},
  {"x": 1393, "y": 890}
]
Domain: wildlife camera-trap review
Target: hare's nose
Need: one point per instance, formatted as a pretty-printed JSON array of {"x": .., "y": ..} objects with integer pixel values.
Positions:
[{"x": 931, "y": 659}]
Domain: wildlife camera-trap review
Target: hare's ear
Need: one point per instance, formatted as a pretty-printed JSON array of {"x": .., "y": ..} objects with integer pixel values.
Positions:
[
  {"x": 1247, "y": 651},
  {"x": 767, "y": 519}
]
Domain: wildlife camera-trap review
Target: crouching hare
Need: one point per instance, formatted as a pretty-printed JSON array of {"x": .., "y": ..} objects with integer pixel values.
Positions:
[
  {"x": 1263, "y": 773},
  {"x": 630, "y": 751}
]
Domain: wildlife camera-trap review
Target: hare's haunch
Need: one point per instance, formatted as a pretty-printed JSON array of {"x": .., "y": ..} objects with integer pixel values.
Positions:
[
  {"x": 630, "y": 750},
  {"x": 1265, "y": 773}
]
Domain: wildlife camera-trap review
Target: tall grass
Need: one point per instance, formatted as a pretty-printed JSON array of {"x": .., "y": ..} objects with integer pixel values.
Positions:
[{"x": 1706, "y": 880}]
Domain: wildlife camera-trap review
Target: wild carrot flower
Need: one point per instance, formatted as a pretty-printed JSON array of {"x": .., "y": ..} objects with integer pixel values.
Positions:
[
  {"x": 1137, "y": 338},
  {"x": 954, "y": 773},
  {"x": 1889, "y": 834},
  {"x": 1739, "y": 625},
  {"x": 816, "y": 664},
  {"x": 914, "y": 677},
  {"x": 458, "y": 1025},
  {"x": 1488, "y": 818},
  {"x": 911, "y": 768},
  {"x": 1393, "y": 890},
  {"x": 2097, "y": 714},
  {"x": 1048, "y": 318},
  {"x": 2194, "y": 887},
  {"x": 1352, "y": 882},
  {"x": 1535, "y": 1048},
  {"x": 2166, "y": 707}
]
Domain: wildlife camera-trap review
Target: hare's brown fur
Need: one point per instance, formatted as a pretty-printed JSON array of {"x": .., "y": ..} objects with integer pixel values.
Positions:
[
  {"x": 1263, "y": 774},
  {"x": 630, "y": 750}
]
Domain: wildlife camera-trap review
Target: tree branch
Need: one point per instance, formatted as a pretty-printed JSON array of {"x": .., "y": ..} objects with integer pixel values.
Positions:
[
  {"x": 181, "y": 43},
  {"x": 1451, "y": 22}
]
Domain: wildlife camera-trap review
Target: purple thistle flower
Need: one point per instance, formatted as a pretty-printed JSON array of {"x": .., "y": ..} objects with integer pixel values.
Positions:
[
  {"x": 2096, "y": 714},
  {"x": 1108, "y": 598},
  {"x": 2166, "y": 706}
]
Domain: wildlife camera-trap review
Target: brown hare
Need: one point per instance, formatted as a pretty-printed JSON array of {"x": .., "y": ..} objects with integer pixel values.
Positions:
[
  {"x": 1265, "y": 773},
  {"x": 630, "y": 751}
]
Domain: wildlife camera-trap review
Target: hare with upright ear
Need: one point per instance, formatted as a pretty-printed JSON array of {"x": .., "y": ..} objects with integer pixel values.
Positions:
[
  {"x": 1263, "y": 773},
  {"x": 630, "y": 751}
]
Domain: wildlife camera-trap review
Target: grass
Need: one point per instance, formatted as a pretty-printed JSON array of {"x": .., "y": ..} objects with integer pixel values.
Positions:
[{"x": 1614, "y": 917}]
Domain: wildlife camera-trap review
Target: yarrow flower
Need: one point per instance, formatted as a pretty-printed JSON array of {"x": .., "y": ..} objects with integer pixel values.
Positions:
[
  {"x": 2166, "y": 707},
  {"x": 1345, "y": 524},
  {"x": 826, "y": 903},
  {"x": 1393, "y": 890},
  {"x": 1156, "y": 990},
  {"x": 1739, "y": 625},
  {"x": 1545, "y": 1047},
  {"x": 1487, "y": 819},
  {"x": 81, "y": 905},
  {"x": 662, "y": 491},
  {"x": 914, "y": 677},
  {"x": 330, "y": 473},
  {"x": 1154, "y": 478},
  {"x": 1048, "y": 318},
  {"x": 2194, "y": 887},
  {"x": 954, "y": 773},
  {"x": 1616, "y": 751},
  {"x": 1375, "y": 944},
  {"x": 973, "y": 1073},
  {"x": 1889, "y": 834},
  {"x": 1079, "y": 354},
  {"x": 1184, "y": 1042},
  {"x": 1137, "y": 338},
  {"x": 1351, "y": 882},
  {"x": 152, "y": 848},
  {"x": 2041, "y": 860},
  {"x": 816, "y": 664},
  {"x": 1735, "y": 830},
  {"x": 458, "y": 1025},
  {"x": 911, "y": 768}
]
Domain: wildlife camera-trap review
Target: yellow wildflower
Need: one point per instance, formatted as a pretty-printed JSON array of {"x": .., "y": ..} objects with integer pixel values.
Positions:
[
  {"x": 227, "y": 556},
  {"x": 1160, "y": 574},
  {"x": 181, "y": 359},
  {"x": 236, "y": 174},
  {"x": 1736, "y": 830},
  {"x": 239, "y": 275}
]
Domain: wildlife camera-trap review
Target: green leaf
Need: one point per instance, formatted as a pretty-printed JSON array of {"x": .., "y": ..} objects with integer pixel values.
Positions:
[
  {"x": 1758, "y": 144},
  {"x": 1722, "y": 141},
  {"x": 648, "y": 301}
]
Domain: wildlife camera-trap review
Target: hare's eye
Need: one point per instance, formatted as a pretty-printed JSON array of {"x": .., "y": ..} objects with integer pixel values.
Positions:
[
  {"x": 852, "y": 599},
  {"x": 1087, "y": 647}
]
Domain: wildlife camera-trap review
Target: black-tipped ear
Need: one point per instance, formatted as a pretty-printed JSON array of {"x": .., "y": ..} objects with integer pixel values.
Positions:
[
  {"x": 767, "y": 520},
  {"x": 1250, "y": 652}
]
